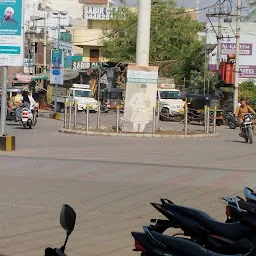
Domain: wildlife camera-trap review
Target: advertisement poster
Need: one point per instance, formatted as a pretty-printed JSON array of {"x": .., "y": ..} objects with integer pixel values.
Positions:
[
  {"x": 28, "y": 66},
  {"x": 101, "y": 13},
  {"x": 140, "y": 98},
  {"x": 11, "y": 33},
  {"x": 230, "y": 48},
  {"x": 57, "y": 67}
]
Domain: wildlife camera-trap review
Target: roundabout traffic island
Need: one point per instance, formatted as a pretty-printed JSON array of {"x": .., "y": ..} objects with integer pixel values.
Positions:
[{"x": 111, "y": 131}]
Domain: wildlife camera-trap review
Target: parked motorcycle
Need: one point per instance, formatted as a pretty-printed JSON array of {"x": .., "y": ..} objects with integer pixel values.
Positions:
[
  {"x": 67, "y": 221},
  {"x": 247, "y": 131},
  {"x": 28, "y": 118},
  {"x": 220, "y": 237},
  {"x": 237, "y": 208},
  {"x": 237, "y": 235},
  {"x": 231, "y": 120},
  {"x": 153, "y": 244}
]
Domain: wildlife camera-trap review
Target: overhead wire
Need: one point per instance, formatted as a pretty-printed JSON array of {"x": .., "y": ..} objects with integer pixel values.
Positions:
[{"x": 133, "y": 22}]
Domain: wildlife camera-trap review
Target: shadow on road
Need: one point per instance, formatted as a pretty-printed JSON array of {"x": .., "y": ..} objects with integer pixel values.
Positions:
[
  {"x": 237, "y": 141},
  {"x": 12, "y": 124}
]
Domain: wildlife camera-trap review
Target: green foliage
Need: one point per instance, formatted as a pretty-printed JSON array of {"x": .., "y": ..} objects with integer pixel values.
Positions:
[
  {"x": 174, "y": 46},
  {"x": 247, "y": 90},
  {"x": 200, "y": 84},
  {"x": 252, "y": 10}
]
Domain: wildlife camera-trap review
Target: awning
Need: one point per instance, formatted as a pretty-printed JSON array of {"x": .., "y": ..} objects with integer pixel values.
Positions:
[{"x": 68, "y": 75}]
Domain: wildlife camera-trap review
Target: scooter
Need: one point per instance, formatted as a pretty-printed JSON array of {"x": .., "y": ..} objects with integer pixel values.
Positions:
[
  {"x": 28, "y": 118},
  {"x": 67, "y": 221}
]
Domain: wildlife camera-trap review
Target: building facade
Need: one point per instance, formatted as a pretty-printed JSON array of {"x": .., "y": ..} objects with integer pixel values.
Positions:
[{"x": 247, "y": 47}]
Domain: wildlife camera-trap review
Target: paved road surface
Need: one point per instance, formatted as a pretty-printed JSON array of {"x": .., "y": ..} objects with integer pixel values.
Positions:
[{"x": 110, "y": 183}]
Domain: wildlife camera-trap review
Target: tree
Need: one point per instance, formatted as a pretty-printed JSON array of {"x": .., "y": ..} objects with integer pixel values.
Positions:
[
  {"x": 252, "y": 10},
  {"x": 247, "y": 90},
  {"x": 174, "y": 45}
]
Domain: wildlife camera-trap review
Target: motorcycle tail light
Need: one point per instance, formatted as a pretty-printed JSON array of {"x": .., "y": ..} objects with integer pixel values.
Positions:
[
  {"x": 228, "y": 213},
  {"x": 25, "y": 113},
  {"x": 139, "y": 247}
]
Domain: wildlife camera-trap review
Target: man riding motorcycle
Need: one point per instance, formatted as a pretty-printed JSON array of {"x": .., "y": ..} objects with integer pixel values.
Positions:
[{"x": 241, "y": 111}]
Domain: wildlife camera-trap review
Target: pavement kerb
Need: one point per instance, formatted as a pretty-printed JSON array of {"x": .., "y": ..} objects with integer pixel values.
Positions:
[{"x": 90, "y": 133}]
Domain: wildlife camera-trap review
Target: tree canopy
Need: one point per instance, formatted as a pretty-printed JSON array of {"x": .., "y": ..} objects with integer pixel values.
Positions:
[
  {"x": 174, "y": 43},
  {"x": 251, "y": 4}
]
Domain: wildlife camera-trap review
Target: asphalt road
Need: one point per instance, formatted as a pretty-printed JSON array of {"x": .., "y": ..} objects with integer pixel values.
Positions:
[{"x": 110, "y": 182}]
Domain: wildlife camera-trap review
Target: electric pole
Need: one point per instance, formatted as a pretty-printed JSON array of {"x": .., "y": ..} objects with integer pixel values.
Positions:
[
  {"x": 34, "y": 45},
  {"x": 143, "y": 33},
  {"x": 197, "y": 8},
  {"x": 219, "y": 39},
  {"x": 45, "y": 44},
  {"x": 238, "y": 21}
]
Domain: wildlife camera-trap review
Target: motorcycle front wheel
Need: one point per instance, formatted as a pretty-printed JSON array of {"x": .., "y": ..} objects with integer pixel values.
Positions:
[{"x": 249, "y": 131}]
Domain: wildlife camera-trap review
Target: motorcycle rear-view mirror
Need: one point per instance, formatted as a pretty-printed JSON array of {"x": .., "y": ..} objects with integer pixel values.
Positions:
[{"x": 67, "y": 218}]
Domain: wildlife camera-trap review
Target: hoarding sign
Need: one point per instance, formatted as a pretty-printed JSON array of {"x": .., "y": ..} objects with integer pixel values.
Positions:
[
  {"x": 230, "y": 48},
  {"x": 85, "y": 65},
  {"x": 11, "y": 33},
  {"x": 247, "y": 71},
  {"x": 57, "y": 67},
  {"x": 100, "y": 13},
  {"x": 140, "y": 98}
]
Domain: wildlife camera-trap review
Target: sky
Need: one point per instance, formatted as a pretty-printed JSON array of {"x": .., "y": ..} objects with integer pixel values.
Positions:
[
  {"x": 72, "y": 6},
  {"x": 75, "y": 9}
]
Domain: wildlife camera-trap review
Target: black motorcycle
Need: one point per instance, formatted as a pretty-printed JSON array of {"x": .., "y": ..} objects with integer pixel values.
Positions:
[
  {"x": 227, "y": 238},
  {"x": 154, "y": 244},
  {"x": 247, "y": 131},
  {"x": 231, "y": 120},
  {"x": 67, "y": 221}
]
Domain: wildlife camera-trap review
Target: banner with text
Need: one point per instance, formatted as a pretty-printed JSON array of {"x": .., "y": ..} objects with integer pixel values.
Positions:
[
  {"x": 11, "y": 33},
  {"x": 101, "y": 13},
  {"x": 57, "y": 67},
  {"x": 230, "y": 48}
]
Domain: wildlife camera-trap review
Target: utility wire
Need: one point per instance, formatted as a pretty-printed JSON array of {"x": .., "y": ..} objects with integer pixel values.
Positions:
[{"x": 133, "y": 22}]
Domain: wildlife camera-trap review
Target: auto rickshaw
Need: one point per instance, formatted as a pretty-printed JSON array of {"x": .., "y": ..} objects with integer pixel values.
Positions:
[
  {"x": 196, "y": 104},
  {"x": 111, "y": 98},
  {"x": 14, "y": 96}
]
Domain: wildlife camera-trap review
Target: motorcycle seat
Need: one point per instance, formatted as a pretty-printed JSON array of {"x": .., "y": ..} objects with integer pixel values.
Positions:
[
  {"x": 184, "y": 246},
  {"x": 232, "y": 231}
]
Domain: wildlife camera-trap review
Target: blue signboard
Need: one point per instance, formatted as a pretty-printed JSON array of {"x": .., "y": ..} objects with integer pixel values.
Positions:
[
  {"x": 11, "y": 33},
  {"x": 57, "y": 66}
]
